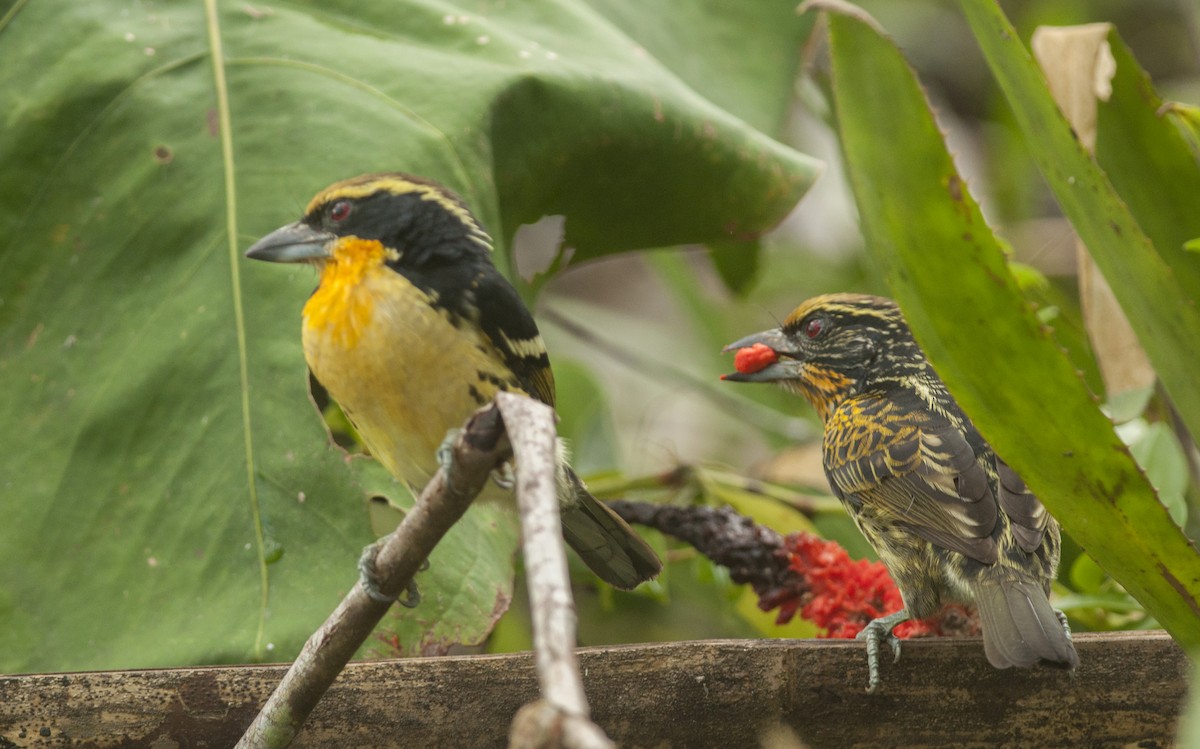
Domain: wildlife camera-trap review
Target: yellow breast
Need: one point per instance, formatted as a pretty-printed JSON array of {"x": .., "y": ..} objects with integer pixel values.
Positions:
[{"x": 397, "y": 365}]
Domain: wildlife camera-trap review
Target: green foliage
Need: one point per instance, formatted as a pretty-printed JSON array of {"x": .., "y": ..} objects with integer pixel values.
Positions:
[{"x": 1147, "y": 278}]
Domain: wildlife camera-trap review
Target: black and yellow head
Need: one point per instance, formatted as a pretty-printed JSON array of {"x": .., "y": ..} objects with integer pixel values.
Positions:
[
  {"x": 421, "y": 222},
  {"x": 836, "y": 345},
  {"x": 390, "y": 240},
  {"x": 393, "y": 221}
]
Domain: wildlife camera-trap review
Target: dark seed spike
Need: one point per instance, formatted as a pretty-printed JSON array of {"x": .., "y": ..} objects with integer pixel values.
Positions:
[{"x": 755, "y": 555}]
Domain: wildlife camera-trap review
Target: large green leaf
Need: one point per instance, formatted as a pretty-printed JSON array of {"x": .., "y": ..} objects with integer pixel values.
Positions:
[
  {"x": 1138, "y": 147},
  {"x": 949, "y": 274},
  {"x": 711, "y": 57},
  {"x": 1146, "y": 280},
  {"x": 169, "y": 494}
]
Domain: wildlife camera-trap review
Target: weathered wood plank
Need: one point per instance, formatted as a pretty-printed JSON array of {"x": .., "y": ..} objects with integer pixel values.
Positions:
[{"x": 1127, "y": 692}]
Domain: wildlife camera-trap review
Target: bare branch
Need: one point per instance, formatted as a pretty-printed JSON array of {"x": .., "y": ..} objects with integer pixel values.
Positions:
[{"x": 561, "y": 718}]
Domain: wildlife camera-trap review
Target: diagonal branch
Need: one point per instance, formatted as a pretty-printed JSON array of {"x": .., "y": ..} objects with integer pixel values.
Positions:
[
  {"x": 480, "y": 447},
  {"x": 561, "y": 717}
]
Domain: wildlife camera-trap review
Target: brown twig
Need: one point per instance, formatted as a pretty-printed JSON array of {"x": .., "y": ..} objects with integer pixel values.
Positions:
[{"x": 481, "y": 445}]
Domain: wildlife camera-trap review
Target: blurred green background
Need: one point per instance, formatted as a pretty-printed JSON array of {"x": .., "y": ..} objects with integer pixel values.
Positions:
[{"x": 165, "y": 473}]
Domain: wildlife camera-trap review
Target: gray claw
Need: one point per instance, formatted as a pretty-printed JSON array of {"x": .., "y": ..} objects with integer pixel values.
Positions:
[
  {"x": 445, "y": 451},
  {"x": 1062, "y": 619},
  {"x": 412, "y": 596},
  {"x": 876, "y": 631},
  {"x": 368, "y": 578},
  {"x": 504, "y": 477}
]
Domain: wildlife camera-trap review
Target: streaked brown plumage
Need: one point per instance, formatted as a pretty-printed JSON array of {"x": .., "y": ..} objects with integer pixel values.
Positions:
[{"x": 950, "y": 519}]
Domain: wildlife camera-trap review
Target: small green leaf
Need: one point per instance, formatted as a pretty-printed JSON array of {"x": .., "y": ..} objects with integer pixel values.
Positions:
[
  {"x": 737, "y": 263},
  {"x": 1028, "y": 278},
  {"x": 1158, "y": 453},
  {"x": 1128, "y": 405},
  {"x": 1117, "y": 602},
  {"x": 1187, "y": 118},
  {"x": 469, "y": 580},
  {"x": 585, "y": 422}
]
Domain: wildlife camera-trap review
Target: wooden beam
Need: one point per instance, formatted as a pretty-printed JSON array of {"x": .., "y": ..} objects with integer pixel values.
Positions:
[{"x": 1128, "y": 691}]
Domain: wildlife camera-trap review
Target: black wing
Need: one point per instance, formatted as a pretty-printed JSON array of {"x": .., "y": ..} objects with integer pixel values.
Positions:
[{"x": 506, "y": 321}]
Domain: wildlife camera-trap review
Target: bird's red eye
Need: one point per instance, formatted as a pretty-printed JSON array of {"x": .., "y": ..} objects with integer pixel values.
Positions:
[
  {"x": 814, "y": 327},
  {"x": 339, "y": 210}
]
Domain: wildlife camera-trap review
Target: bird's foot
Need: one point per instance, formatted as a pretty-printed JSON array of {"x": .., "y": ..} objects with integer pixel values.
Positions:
[
  {"x": 504, "y": 477},
  {"x": 368, "y": 578},
  {"x": 1062, "y": 619},
  {"x": 445, "y": 451},
  {"x": 874, "y": 633}
]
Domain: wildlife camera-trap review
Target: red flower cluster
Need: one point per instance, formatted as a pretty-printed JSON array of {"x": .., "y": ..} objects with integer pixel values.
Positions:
[
  {"x": 841, "y": 595},
  {"x": 800, "y": 573}
]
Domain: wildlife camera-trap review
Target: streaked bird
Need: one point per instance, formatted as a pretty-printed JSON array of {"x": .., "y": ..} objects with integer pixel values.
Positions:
[{"x": 949, "y": 519}]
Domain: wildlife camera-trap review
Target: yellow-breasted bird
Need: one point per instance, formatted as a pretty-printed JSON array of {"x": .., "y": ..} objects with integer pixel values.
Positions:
[
  {"x": 412, "y": 328},
  {"x": 949, "y": 519}
]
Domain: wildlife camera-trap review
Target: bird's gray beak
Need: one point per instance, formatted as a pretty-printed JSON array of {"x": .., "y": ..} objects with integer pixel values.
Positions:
[
  {"x": 294, "y": 243},
  {"x": 783, "y": 366}
]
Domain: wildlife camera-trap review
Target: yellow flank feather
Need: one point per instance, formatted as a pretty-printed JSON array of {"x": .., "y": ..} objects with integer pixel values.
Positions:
[{"x": 367, "y": 336}]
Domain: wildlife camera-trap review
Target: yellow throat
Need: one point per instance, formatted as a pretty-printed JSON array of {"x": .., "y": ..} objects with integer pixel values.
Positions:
[{"x": 335, "y": 309}]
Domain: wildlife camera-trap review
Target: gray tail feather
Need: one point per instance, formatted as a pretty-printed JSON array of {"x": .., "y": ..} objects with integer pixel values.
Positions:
[
  {"x": 605, "y": 542},
  {"x": 1020, "y": 627}
]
